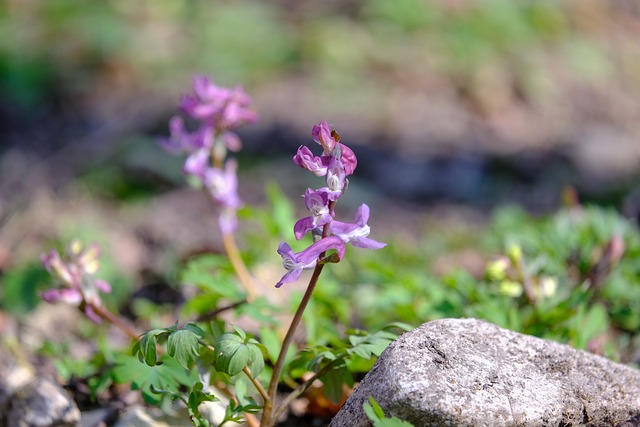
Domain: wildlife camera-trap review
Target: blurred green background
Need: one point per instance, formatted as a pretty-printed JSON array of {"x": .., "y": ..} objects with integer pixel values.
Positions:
[
  {"x": 454, "y": 107},
  {"x": 472, "y": 101}
]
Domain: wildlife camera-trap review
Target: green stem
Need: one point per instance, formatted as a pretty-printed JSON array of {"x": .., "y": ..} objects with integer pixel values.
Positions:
[
  {"x": 277, "y": 369},
  {"x": 231, "y": 248},
  {"x": 267, "y": 414}
]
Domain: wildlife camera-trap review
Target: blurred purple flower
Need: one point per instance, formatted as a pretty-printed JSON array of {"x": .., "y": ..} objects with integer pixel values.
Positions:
[
  {"x": 228, "y": 220},
  {"x": 223, "y": 187},
  {"x": 196, "y": 144},
  {"x": 317, "y": 202},
  {"x": 219, "y": 110},
  {"x": 307, "y": 259},
  {"x": 183, "y": 141},
  {"x": 223, "y": 107},
  {"x": 223, "y": 184},
  {"x": 356, "y": 233},
  {"x": 197, "y": 163},
  {"x": 75, "y": 274}
]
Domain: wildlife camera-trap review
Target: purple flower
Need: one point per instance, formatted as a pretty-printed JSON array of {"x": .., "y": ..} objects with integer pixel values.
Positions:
[
  {"x": 223, "y": 184},
  {"x": 75, "y": 274},
  {"x": 225, "y": 108},
  {"x": 335, "y": 179},
  {"x": 307, "y": 259},
  {"x": 197, "y": 163},
  {"x": 223, "y": 187},
  {"x": 330, "y": 141},
  {"x": 196, "y": 144},
  {"x": 348, "y": 159},
  {"x": 323, "y": 135},
  {"x": 318, "y": 204},
  {"x": 356, "y": 232},
  {"x": 316, "y": 165},
  {"x": 228, "y": 220},
  {"x": 219, "y": 110},
  {"x": 183, "y": 141}
]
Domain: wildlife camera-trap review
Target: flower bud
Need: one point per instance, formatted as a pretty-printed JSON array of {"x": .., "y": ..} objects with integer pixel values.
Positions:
[
  {"x": 497, "y": 270},
  {"x": 514, "y": 252},
  {"x": 510, "y": 288}
]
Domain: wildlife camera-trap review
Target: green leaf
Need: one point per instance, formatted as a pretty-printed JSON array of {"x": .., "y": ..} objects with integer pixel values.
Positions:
[
  {"x": 370, "y": 345},
  {"x": 197, "y": 396},
  {"x": 231, "y": 354},
  {"x": 240, "y": 332},
  {"x": 184, "y": 347},
  {"x": 259, "y": 310},
  {"x": 20, "y": 288},
  {"x": 238, "y": 360},
  {"x": 282, "y": 213},
  {"x": 333, "y": 382},
  {"x": 195, "y": 329},
  {"x": 256, "y": 360},
  {"x": 212, "y": 274},
  {"x": 147, "y": 349},
  {"x": 320, "y": 357},
  {"x": 373, "y": 410},
  {"x": 375, "y": 413}
]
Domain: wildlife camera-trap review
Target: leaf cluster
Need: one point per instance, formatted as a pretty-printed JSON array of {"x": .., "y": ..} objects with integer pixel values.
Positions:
[{"x": 182, "y": 344}]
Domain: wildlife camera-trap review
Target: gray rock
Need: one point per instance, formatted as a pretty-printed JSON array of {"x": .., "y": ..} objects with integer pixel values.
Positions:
[
  {"x": 15, "y": 370},
  {"x": 41, "y": 403},
  {"x": 466, "y": 372}
]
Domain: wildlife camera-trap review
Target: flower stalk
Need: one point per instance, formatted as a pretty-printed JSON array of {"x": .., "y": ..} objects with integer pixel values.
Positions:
[{"x": 269, "y": 404}]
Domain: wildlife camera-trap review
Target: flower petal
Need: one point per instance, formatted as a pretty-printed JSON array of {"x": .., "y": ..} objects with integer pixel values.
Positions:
[
  {"x": 66, "y": 295},
  {"x": 289, "y": 277},
  {"x": 366, "y": 243},
  {"x": 303, "y": 225}
]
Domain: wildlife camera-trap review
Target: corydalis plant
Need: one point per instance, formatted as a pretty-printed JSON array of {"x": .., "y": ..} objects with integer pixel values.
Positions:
[
  {"x": 219, "y": 111},
  {"x": 75, "y": 274},
  {"x": 335, "y": 164}
]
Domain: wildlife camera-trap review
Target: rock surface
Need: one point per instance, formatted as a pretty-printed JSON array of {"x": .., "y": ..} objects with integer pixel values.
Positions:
[
  {"x": 15, "y": 370},
  {"x": 42, "y": 403},
  {"x": 467, "y": 372}
]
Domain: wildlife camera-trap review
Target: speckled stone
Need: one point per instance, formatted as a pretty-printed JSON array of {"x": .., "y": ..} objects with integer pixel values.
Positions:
[
  {"x": 467, "y": 372},
  {"x": 42, "y": 403}
]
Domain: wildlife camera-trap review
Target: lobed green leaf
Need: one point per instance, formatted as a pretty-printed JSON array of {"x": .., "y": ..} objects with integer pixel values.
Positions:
[{"x": 184, "y": 347}]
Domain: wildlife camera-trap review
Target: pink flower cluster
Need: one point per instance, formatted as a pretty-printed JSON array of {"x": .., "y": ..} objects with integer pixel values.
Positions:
[
  {"x": 75, "y": 275},
  {"x": 336, "y": 163},
  {"x": 219, "y": 111}
]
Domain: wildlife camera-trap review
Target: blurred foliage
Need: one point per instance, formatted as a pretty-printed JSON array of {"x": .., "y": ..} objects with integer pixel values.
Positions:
[
  {"x": 581, "y": 289},
  {"x": 571, "y": 277},
  {"x": 155, "y": 44}
]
